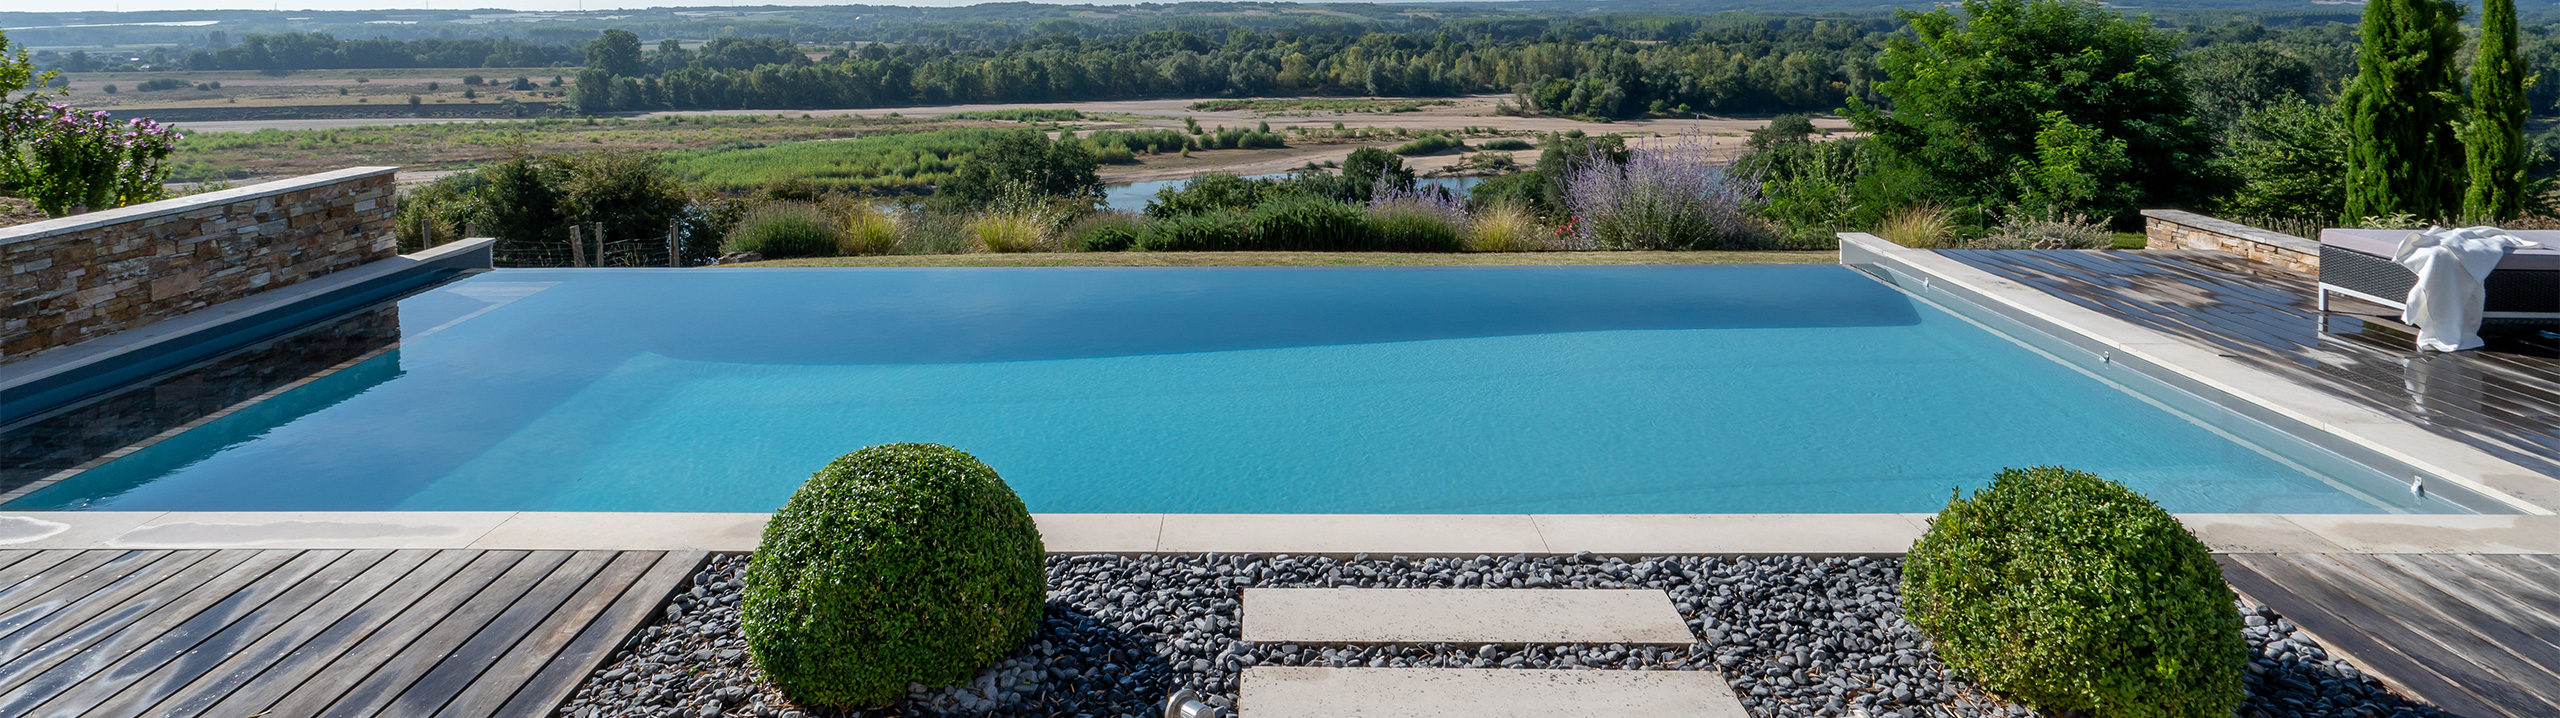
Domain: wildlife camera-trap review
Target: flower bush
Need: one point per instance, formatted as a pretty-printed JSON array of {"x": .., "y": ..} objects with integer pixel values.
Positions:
[
  {"x": 63, "y": 158},
  {"x": 1669, "y": 196}
]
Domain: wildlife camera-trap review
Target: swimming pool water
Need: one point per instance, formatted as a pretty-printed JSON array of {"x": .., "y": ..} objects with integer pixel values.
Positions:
[{"x": 1358, "y": 390}]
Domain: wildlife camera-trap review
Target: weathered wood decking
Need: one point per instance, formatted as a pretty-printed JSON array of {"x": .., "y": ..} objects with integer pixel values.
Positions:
[
  {"x": 2476, "y": 635},
  {"x": 2504, "y": 399},
  {"x": 291, "y": 633}
]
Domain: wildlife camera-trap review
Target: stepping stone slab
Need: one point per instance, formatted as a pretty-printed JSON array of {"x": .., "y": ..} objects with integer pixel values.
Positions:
[
  {"x": 1292, "y": 691},
  {"x": 1443, "y": 615}
]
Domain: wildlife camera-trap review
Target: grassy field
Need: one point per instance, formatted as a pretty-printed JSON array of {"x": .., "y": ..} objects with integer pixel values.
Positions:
[
  {"x": 206, "y": 156},
  {"x": 1305, "y": 259},
  {"x": 371, "y": 88},
  {"x": 1317, "y": 105},
  {"x": 902, "y": 162}
]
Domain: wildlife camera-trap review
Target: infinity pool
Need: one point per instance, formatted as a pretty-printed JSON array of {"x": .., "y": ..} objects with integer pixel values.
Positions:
[{"x": 1363, "y": 390}]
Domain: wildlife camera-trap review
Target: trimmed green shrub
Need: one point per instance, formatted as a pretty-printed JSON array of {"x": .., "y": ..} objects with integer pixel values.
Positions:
[
  {"x": 1428, "y": 144},
  {"x": 1308, "y": 224},
  {"x": 896, "y": 564},
  {"x": 1108, "y": 231},
  {"x": 1210, "y": 232},
  {"x": 1407, "y": 227},
  {"x": 2073, "y": 593},
  {"x": 782, "y": 230}
]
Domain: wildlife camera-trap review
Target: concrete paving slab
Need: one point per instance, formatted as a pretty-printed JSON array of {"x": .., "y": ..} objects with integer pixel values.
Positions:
[
  {"x": 283, "y": 529},
  {"x": 1657, "y": 534},
  {"x": 67, "y": 529},
  {"x": 1462, "y": 615},
  {"x": 566, "y": 531},
  {"x": 1346, "y": 534},
  {"x": 1298, "y": 691},
  {"x": 1100, "y": 533},
  {"x": 2255, "y": 533},
  {"x": 2435, "y": 533}
]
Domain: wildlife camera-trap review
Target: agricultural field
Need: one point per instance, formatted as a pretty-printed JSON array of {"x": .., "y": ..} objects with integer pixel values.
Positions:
[
  {"x": 217, "y": 156},
  {"x": 368, "y": 92}
]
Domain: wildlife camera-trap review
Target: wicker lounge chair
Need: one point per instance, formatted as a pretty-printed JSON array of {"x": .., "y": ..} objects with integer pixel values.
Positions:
[{"x": 2357, "y": 263}]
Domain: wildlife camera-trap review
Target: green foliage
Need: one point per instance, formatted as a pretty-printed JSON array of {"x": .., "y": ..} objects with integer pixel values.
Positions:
[
  {"x": 630, "y": 193},
  {"x": 1782, "y": 130},
  {"x": 867, "y": 229},
  {"x": 1219, "y": 231},
  {"x": 2401, "y": 111},
  {"x": 1316, "y": 105},
  {"x": 617, "y": 53},
  {"x": 2493, "y": 136},
  {"x": 785, "y": 229},
  {"x": 2073, "y": 593},
  {"x": 444, "y": 207},
  {"x": 2291, "y": 158},
  {"x": 1055, "y": 169},
  {"x": 1428, "y": 144},
  {"x": 521, "y": 199},
  {"x": 2075, "y": 167},
  {"x": 1022, "y": 114},
  {"x": 1505, "y": 144},
  {"x": 896, "y": 564},
  {"x": 1527, "y": 189},
  {"x": 1302, "y": 223},
  {"x": 1107, "y": 231},
  {"x": 1213, "y": 192},
  {"x": 2231, "y": 80},
  {"x": 163, "y": 83},
  {"x": 1812, "y": 187},
  {"x": 1974, "y": 91},
  {"x": 1507, "y": 228},
  {"x": 1405, "y": 227}
]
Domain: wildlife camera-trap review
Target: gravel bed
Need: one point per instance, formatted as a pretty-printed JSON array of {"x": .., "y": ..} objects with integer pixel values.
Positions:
[{"x": 1796, "y": 637}]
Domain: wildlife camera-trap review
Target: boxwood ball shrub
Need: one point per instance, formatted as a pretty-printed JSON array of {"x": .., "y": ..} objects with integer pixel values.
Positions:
[
  {"x": 896, "y": 564},
  {"x": 2073, "y": 593}
]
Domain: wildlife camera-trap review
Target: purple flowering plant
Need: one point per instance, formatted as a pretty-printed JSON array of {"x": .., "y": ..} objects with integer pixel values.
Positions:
[
  {"x": 1679, "y": 194},
  {"x": 64, "y": 157}
]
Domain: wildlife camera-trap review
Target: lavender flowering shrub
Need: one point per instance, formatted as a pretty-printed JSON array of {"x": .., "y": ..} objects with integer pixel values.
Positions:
[{"x": 1679, "y": 195}]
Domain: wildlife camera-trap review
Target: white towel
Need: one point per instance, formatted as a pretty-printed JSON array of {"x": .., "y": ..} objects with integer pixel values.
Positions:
[{"x": 2452, "y": 265}]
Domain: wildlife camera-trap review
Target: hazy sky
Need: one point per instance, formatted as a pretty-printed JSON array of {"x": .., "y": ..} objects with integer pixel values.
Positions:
[{"x": 43, "y": 5}]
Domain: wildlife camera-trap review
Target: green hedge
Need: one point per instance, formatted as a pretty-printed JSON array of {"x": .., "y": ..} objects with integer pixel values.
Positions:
[
  {"x": 2073, "y": 593},
  {"x": 896, "y": 564}
]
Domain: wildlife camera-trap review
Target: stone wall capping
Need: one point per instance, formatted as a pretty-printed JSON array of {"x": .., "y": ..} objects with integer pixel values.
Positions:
[
  {"x": 2179, "y": 229},
  {"x": 184, "y": 205}
]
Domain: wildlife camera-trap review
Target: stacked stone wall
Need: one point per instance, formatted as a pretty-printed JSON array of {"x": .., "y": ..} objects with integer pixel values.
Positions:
[
  {"x": 77, "y": 278},
  {"x": 2172, "y": 229}
]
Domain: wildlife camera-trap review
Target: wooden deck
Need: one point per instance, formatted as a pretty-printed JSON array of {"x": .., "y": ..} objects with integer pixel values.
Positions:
[
  {"x": 2504, "y": 399},
  {"x": 2476, "y": 635},
  {"x": 291, "y": 633}
]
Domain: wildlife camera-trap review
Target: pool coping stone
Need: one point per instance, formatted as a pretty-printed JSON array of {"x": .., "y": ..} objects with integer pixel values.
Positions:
[
  {"x": 1640, "y": 616},
  {"x": 1629, "y": 535},
  {"x": 1269, "y": 691}
]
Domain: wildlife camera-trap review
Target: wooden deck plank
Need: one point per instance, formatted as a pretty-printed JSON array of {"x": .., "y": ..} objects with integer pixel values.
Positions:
[
  {"x": 545, "y": 690},
  {"x": 11, "y": 558},
  {"x": 38, "y": 677},
  {"x": 490, "y": 690},
  {"x": 40, "y": 646},
  {"x": 2491, "y": 641},
  {"x": 217, "y": 631},
  {"x": 214, "y": 682},
  {"x": 352, "y": 647},
  {"x": 2462, "y": 657},
  {"x": 465, "y": 663},
  {"x": 2504, "y": 399},
  {"x": 372, "y": 568},
  {"x": 77, "y": 565},
  {"x": 2329, "y": 616},
  {"x": 402, "y": 668},
  {"x": 2489, "y": 590},
  {"x": 80, "y": 598},
  {"x": 33, "y": 562}
]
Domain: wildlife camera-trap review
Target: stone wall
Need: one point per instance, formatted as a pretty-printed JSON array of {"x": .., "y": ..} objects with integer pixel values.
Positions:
[
  {"x": 77, "y": 278},
  {"x": 2173, "y": 229}
]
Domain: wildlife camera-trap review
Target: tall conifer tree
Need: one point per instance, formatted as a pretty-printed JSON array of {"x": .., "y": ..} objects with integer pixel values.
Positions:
[
  {"x": 2402, "y": 111},
  {"x": 2493, "y": 141}
]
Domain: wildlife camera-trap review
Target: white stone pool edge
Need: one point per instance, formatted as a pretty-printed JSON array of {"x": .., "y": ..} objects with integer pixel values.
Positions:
[{"x": 1326, "y": 534}]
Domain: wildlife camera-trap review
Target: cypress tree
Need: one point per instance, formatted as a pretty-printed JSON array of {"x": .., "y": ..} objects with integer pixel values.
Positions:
[
  {"x": 2493, "y": 141},
  {"x": 2402, "y": 110}
]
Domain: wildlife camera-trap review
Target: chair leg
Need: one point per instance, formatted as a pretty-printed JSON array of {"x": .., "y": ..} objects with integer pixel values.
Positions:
[{"x": 2324, "y": 298}]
